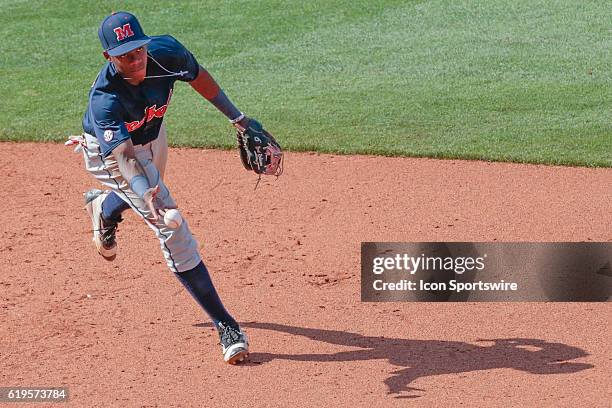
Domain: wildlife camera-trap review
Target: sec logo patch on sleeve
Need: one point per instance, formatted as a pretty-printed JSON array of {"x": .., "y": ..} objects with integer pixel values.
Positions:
[{"x": 108, "y": 135}]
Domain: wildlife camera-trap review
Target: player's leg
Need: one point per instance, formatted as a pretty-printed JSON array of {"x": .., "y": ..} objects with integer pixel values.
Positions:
[
  {"x": 104, "y": 229},
  {"x": 105, "y": 208},
  {"x": 104, "y": 226},
  {"x": 112, "y": 207},
  {"x": 180, "y": 250},
  {"x": 179, "y": 247},
  {"x": 198, "y": 283},
  {"x": 234, "y": 342}
]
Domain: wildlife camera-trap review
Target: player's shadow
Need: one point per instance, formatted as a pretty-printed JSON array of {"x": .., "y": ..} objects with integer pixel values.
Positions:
[{"x": 423, "y": 358}]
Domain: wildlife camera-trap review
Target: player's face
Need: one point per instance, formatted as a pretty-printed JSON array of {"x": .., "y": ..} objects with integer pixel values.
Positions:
[{"x": 132, "y": 64}]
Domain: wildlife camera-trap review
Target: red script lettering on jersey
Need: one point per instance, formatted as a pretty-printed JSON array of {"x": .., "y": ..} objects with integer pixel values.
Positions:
[
  {"x": 123, "y": 32},
  {"x": 151, "y": 113}
]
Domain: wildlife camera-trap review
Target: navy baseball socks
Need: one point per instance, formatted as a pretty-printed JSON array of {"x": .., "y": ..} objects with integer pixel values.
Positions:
[
  {"x": 197, "y": 281},
  {"x": 233, "y": 341},
  {"x": 112, "y": 207}
]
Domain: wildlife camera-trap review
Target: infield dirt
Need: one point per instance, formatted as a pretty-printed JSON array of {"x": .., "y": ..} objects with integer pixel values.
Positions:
[{"x": 285, "y": 259}]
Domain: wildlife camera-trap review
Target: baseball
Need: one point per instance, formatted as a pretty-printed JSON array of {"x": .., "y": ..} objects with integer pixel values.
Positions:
[{"x": 173, "y": 218}]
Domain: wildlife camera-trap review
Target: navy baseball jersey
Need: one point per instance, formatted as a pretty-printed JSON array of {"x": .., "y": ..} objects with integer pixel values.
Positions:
[{"x": 118, "y": 111}]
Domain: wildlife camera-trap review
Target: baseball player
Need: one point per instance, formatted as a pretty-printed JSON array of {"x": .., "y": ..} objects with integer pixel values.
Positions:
[{"x": 125, "y": 147}]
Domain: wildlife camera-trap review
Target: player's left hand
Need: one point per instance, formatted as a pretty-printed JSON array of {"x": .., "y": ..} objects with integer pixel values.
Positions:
[
  {"x": 259, "y": 151},
  {"x": 243, "y": 124}
]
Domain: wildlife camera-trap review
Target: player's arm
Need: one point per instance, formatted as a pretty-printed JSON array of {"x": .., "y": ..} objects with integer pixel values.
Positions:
[
  {"x": 206, "y": 86},
  {"x": 113, "y": 137},
  {"x": 134, "y": 173}
]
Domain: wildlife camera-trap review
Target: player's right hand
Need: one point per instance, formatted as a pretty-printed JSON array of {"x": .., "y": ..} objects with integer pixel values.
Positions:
[{"x": 153, "y": 204}]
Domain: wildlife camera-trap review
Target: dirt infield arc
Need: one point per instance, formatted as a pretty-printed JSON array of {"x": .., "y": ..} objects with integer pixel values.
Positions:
[{"x": 285, "y": 258}]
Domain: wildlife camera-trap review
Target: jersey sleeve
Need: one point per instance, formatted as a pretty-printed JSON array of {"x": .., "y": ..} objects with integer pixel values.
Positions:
[
  {"x": 182, "y": 60},
  {"x": 109, "y": 129}
]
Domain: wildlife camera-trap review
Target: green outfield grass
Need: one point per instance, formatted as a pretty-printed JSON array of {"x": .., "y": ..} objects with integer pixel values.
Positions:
[{"x": 523, "y": 80}]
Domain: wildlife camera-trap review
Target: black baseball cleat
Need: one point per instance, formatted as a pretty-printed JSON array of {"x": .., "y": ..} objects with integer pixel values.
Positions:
[
  {"x": 234, "y": 343},
  {"x": 103, "y": 231}
]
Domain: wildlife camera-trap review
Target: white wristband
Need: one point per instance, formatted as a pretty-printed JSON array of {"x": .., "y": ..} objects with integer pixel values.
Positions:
[{"x": 238, "y": 119}]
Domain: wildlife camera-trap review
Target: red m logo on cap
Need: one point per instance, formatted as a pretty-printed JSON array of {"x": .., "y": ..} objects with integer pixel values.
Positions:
[{"x": 123, "y": 32}]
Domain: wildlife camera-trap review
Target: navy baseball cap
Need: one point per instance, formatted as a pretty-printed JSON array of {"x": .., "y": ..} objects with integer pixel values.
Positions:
[{"x": 121, "y": 33}]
